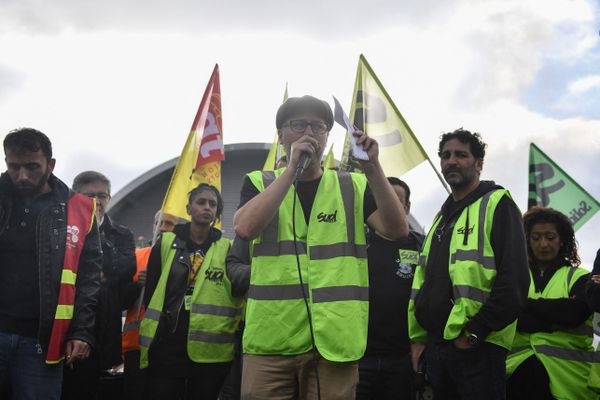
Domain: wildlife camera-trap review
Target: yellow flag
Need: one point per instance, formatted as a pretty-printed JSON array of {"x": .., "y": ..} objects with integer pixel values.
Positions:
[
  {"x": 374, "y": 112},
  {"x": 330, "y": 159},
  {"x": 276, "y": 150},
  {"x": 200, "y": 159}
]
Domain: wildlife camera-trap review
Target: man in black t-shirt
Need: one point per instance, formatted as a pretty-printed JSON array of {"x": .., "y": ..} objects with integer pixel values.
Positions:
[
  {"x": 385, "y": 371},
  {"x": 280, "y": 351}
]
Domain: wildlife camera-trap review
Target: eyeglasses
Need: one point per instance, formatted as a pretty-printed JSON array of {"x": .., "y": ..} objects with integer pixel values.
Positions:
[
  {"x": 99, "y": 196},
  {"x": 299, "y": 126}
]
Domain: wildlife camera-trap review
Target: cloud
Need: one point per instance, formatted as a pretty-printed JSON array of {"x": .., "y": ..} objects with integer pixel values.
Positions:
[
  {"x": 10, "y": 81},
  {"x": 585, "y": 84},
  {"x": 337, "y": 18}
]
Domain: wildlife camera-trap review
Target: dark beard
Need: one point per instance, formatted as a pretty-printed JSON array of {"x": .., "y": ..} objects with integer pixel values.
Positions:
[{"x": 32, "y": 191}]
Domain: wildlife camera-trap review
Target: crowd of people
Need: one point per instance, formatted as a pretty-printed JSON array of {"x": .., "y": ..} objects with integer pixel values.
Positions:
[{"x": 325, "y": 292}]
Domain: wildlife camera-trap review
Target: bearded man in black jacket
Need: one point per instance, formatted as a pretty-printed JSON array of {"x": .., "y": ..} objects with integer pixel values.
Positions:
[
  {"x": 36, "y": 226},
  {"x": 471, "y": 281}
]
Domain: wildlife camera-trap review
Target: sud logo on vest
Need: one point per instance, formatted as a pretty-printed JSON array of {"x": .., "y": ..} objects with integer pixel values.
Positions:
[
  {"x": 329, "y": 218},
  {"x": 407, "y": 262},
  {"x": 215, "y": 276},
  {"x": 463, "y": 230}
]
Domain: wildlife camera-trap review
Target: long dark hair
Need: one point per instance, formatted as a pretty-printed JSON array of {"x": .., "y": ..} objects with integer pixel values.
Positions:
[{"x": 544, "y": 215}]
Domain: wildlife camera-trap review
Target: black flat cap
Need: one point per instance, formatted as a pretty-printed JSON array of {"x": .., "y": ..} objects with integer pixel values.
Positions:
[{"x": 294, "y": 106}]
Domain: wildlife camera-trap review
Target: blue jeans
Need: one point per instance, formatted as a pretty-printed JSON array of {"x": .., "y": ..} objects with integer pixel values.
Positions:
[
  {"x": 472, "y": 374},
  {"x": 23, "y": 367}
]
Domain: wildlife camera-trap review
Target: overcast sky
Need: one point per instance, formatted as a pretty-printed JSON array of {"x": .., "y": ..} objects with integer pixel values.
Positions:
[{"x": 116, "y": 84}]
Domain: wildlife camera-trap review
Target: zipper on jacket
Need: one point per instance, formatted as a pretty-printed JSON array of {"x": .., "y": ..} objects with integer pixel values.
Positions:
[{"x": 182, "y": 300}]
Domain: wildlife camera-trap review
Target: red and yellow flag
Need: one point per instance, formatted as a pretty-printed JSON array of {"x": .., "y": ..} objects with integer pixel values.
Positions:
[{"x": 200, "y": 160}]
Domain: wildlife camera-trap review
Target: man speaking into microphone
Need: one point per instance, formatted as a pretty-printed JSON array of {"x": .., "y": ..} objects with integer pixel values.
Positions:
[{"x": 307, "y": 310}]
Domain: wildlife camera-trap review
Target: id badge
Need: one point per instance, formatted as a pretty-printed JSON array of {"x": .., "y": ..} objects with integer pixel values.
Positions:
[{"x": 187, "y": 299}]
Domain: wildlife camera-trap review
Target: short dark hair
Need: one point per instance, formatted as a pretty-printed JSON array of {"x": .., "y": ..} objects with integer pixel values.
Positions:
[
  {"x": 543, "y": 215},
  {"x": 399, "y": 182},
  {"x": 464, "y": 136},
  {"x": 21, "y": 140},
  {"x": 87, "y": 177},
  {"x": 203, "y": 187}
]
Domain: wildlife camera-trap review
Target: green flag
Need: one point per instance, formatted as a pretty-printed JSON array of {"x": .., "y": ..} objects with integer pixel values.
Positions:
[
  {"x": 550, "y": 186},
  {"x": 374, "y": 112},
  {"x": 276, "y": 150}
]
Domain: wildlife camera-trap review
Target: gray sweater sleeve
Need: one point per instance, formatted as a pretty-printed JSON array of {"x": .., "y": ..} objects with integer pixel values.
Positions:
[{"x": 238, "y": 267}]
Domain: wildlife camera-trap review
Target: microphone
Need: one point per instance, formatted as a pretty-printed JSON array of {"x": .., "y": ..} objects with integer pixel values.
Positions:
[{"x": 302, "y": 164}]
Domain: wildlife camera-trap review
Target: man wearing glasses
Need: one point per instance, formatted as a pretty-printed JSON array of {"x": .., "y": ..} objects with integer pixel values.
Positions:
[
  {"x": 118, "y": 268},
  {"x": 307, "y": 310}
]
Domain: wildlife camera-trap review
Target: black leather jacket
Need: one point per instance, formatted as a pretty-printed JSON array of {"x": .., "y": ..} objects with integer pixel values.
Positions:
[
  {"x": 178, "y": 274},
  {"x": 118, "y": 267},
  {"x": 51, "y": 237}
]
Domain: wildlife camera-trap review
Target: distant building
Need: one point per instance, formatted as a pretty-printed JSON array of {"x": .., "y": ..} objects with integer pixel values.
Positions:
[{"x": 136, "y": 203}]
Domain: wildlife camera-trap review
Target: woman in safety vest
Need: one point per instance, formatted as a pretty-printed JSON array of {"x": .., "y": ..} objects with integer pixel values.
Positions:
[
  {"x": 187, "y": 334},
  {"x": 552, "y": 350}
]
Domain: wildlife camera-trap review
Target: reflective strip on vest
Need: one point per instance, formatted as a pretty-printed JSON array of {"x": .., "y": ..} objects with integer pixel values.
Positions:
[
  {"x": 327, "y": 252},
  {"x": 145, "y": 341},
  {"x": 152, "y": 314},
  {"x": 470, "y": 292},
  {"x": 269, "y": 245},
  {"x": 340, "y": 293},
  {"x": 477, "y": 255},
  {"x": 68, "y": 277},
  {"x": 474, "y": 255},
  {"x": 270, "y": 232},
  {"x": 215, "y": 310},
  {"x": 210, "y": 337},
  {"x": 131, "y": 326},
  {"x": 276, "y": 292},
  {"x": 64, "y": 311},
  {"x": 274, "y": 248},
  {"x": 583, "y": 330},
  {"x": 414, "y": 293},
  {"x": 347, "y": 189},
  {"x": 568, "y": 354}
]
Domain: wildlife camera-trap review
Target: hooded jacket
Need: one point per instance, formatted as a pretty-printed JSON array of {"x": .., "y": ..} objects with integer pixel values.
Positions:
[{"x": 509, "y": 292}]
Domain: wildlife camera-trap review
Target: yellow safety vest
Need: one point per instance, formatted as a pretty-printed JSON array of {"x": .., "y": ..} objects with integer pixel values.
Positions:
[
  {"x": 333, "y": 259},
  {"x": 472, "y": 270},
  {"x": 214, "y": 313},
  {"x": 567, "y": 355}
]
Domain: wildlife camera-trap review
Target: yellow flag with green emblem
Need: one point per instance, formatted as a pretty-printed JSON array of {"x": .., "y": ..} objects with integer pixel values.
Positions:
[
  {"x": 276, "y": 150},
  {"x": 374, "y": 112},
  {"x": 330, "y": 159}
]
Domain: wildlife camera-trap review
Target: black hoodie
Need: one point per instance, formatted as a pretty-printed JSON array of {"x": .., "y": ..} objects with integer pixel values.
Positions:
[{"x": 509, "y": 291}]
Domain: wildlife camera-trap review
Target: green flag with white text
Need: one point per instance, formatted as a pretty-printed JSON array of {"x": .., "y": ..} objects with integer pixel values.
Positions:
[{"x": 550, "y": 186}]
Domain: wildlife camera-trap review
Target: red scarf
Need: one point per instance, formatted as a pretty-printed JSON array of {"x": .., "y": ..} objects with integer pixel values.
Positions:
[{"x": 80, "y": 213}]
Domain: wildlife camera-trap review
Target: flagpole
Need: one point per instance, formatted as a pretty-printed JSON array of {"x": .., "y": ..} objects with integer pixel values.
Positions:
[{"x": 440, "y": 177}]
